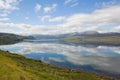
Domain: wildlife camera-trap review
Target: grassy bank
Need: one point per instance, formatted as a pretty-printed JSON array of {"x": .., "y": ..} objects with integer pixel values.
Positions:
[{"x": 16, "y": 67}]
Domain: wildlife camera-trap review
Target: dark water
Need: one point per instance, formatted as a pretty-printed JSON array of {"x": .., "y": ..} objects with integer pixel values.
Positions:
[{"x": 101, "y": 59}]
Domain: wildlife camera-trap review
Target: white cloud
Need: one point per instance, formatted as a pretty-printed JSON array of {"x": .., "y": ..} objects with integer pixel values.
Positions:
[
  {"x": 72, "y": 3},
  {"x": 3, "y": 14},
  {"x": 46, "y": 17},
  {"x": 52, "y": 19},
  {"x": 99, "y": 20},
  {"x": 37, "y": 7},
  {"x": 107, "y": 4},
  {"x": 22, "y": 27},
  {"x": 117, "y": 28},
  {"x": 26, "y": 18},
  {"x": 67, "y": 1},
  {"x": 50, "y": 8},
  {"x": 4, "y": 19},
  {"x": 57, "y": 19},
  {"x": 8, "y": 4},
  {"x": 75, "y": 4}
]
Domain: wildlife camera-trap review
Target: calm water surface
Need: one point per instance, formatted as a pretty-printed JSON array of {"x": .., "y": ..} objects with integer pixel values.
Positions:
[{"x": 97, "y": 59}]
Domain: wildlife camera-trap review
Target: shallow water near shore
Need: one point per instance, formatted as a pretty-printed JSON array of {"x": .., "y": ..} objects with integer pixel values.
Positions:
[{"x": 100, "y": 59}]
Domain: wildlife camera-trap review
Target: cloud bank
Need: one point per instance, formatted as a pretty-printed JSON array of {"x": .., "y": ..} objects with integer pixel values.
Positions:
[
  {"x": 102, "y": 20},
  {"x": 6, "y": 6}
]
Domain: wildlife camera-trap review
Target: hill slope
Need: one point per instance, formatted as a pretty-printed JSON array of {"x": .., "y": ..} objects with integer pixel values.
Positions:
[
  {"x": 6, "y": 38},
  {"x": 16, "y": 67}
]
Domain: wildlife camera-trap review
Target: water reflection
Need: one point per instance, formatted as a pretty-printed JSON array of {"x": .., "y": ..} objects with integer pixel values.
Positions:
[{"x": 100, "y": 59}]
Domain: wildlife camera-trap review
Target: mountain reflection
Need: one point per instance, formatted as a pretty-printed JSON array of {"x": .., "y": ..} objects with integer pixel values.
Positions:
[{"x": 90, "y": 58}]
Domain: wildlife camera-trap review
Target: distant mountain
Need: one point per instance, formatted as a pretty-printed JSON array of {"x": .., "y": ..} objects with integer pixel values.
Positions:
[
  {"x": 93, "y": 33},
  {"x": 57, "y": 36},
  {"x": 90, "y": 33},
  {"x": 86, "y": 33},
  {"x": 97, "y": 34},
  {"x": 111, "y": 38}
]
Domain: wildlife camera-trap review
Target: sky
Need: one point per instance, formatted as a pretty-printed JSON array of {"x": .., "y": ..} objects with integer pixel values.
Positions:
[{"x": 28, "y": 17}]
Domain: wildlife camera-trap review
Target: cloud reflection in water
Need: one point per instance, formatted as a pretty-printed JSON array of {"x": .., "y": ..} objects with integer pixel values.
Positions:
[{"x": 102, "y": 58}]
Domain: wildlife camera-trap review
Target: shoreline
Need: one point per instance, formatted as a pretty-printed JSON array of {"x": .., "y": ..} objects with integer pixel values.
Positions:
[{"x": 24, "y": 62}]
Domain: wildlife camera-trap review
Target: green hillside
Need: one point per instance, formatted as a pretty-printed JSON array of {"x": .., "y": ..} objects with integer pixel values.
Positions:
[
  {"x": 6, "y": 38},
  {"x": 9, "y": 40},
  {"x": 16, "y": 67}
]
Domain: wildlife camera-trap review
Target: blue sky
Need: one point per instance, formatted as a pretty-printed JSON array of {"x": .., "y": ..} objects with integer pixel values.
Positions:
[{"x": 59, "y": 16}]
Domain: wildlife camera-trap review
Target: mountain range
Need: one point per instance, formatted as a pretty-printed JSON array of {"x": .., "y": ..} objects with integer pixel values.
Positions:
[
  {"x": 86, "y": 34},
  {"x": 41, "y": 36}
]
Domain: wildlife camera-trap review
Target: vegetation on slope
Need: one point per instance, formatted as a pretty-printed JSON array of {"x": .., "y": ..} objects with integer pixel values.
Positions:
[
  {"x": 16, "y": 67},
  {"x": 9, "y": 39}
]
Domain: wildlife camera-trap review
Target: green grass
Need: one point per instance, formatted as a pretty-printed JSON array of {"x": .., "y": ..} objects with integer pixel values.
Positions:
[{"x": 16, "y": 67}]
